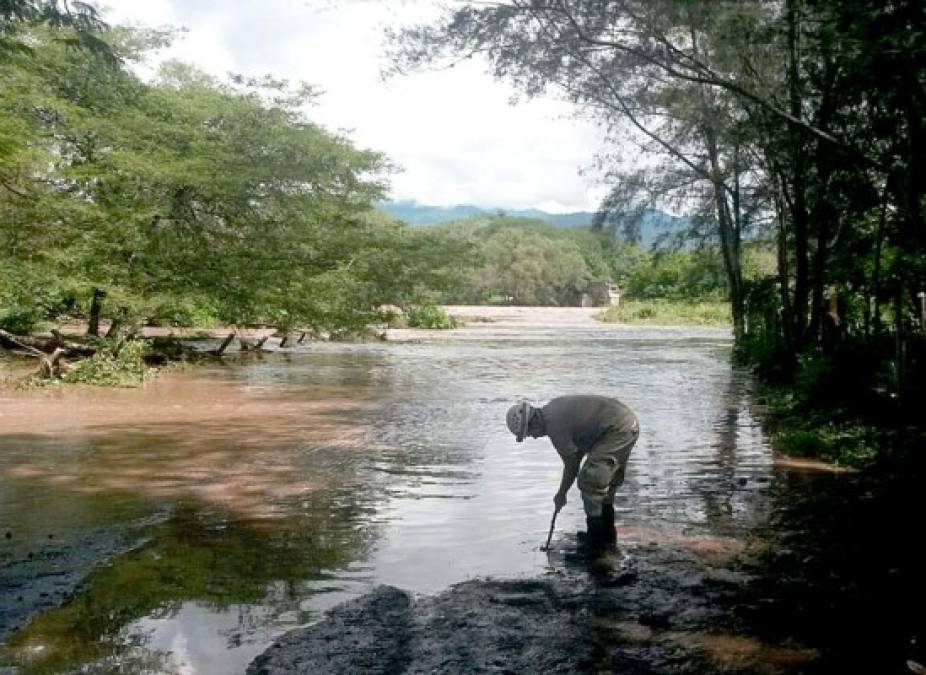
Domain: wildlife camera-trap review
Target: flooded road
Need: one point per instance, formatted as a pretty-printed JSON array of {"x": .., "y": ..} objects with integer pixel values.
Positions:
[{"x": 216, "y": 509}]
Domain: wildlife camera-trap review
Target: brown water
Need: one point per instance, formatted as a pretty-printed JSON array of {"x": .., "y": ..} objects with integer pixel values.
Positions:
[{"x": 260, "y": 493}]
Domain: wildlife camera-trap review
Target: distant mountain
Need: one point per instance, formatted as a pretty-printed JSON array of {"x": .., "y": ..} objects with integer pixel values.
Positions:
[
  {"x": 653, "y": 224},
  {"x": 414, "y": 213}
]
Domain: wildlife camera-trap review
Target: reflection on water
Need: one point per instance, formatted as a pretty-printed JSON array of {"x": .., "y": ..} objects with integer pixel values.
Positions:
[
  {"x": 199, "y": 571},
  {"x": 281, "y": 486}
]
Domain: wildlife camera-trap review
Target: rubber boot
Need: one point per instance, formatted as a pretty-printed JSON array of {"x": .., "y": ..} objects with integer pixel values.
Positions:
[
  {"x": 607, "y": 517},
  {"x": 596, "y": 539}
]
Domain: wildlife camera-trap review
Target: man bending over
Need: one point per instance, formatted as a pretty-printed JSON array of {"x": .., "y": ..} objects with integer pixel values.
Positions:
[{"x": 598, "y": 429}]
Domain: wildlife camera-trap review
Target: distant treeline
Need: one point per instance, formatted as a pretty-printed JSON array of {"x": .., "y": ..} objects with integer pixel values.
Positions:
[{"x": 525, "y": 261}]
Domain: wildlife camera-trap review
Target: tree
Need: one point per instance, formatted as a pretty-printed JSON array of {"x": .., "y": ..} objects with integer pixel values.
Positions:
[
  {"x": 640, "y": 65},
  {"x": 81, "y": 20},
  {"x": 184, "y": 188},
  {"x": 801, "y": 116}
]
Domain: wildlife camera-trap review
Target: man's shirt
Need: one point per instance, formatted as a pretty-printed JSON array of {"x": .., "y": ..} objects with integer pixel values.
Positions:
[{"x": 575, "y": 423}]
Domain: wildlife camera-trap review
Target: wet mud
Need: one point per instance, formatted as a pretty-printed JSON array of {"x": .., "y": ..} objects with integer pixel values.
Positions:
[
  {"x": 655, "y": 611},
  {"x": 54, "y": 571},
  {"x": 793, "y": 601}
]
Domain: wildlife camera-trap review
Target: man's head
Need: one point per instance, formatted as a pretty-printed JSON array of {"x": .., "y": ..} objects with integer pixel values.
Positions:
[{"x": 523, "y": 420}]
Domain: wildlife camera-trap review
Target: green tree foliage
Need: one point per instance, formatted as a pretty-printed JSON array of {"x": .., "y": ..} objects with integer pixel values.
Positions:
[
  {"x": 221, "y": 198},
  {"x": 82, "y": 20},
  {"x": 529, "y": 262},
  {"x": 688, "y": 275}
]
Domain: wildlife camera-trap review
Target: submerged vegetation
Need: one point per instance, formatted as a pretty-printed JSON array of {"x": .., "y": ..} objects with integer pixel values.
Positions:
[
  {"x": 121, "y": 364},
  {"x": 430, "y": 316}
]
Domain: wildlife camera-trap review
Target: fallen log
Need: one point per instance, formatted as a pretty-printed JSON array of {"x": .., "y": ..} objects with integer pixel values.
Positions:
[
  {"x": 49, "y": 364},
  {"x": 73, "y": 348},
  {"x": 46, "y": 345},
  {"x": 11, "y": 342}
]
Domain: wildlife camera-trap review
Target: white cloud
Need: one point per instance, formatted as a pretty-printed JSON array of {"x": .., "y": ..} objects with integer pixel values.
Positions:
[{"x": 453, "y": 132}]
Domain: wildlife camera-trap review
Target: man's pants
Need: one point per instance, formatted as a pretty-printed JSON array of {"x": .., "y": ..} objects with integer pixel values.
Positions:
[{"x": 603, "y": 470}]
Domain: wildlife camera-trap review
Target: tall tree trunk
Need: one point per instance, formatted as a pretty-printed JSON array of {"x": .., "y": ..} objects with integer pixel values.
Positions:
[
  {"x": 784, "y": 285},
  {"x": 728, "y": 223},
  {"x": 823, "y": 212},
  {"x": 799, "y": 218},
  {"x": 729, "y": 234},
  {"x": 96, "y": 307},
  {"x": 822, "y": 215},
  {"x": 876, "y": 280},
  {"x": 900, "y": 357}
]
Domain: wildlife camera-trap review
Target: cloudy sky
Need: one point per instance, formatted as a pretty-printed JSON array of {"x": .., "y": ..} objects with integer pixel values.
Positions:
[{"x": 454, "y": 133}]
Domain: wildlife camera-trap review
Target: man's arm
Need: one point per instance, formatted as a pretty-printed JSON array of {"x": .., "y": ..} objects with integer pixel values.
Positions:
[
  {"x": 571, "y": 457},
  {"x": 570, "y": 471}
]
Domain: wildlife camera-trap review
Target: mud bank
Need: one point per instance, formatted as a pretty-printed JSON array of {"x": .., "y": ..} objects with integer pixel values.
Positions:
[
  {"x": 43, "y": 577},
  {"x": 656, "y": 611}
]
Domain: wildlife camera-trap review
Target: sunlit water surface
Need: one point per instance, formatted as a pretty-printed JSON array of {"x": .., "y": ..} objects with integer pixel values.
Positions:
[{"x": 268, "y": 490}]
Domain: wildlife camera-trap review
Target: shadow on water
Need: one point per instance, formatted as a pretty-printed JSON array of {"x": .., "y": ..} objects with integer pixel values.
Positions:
[{"x": 839, "y": 564}]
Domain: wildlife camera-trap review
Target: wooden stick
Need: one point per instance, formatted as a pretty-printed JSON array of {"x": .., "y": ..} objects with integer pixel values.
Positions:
[{"x": 550, "y": 535}]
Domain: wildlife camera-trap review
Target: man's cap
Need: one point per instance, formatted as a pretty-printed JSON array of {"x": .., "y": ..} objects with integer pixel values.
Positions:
[{"x": 518, "y": 417}]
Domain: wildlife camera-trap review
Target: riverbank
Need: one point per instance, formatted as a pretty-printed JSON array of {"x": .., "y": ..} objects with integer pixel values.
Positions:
[
  {"x": 657, "y": 611},
  {"x": 511, "y": 322},
  {"x": 838, "y": 436}
]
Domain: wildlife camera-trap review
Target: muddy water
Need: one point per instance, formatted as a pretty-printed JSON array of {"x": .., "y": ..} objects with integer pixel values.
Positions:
[{"x": 182, "y": 527}]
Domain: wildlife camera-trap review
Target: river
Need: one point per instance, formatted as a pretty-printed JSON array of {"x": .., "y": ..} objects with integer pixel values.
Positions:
[{"x": 181, "y": 527}]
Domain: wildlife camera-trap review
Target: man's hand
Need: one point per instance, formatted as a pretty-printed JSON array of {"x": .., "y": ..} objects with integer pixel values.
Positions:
[{"x": 559, "y": 500}]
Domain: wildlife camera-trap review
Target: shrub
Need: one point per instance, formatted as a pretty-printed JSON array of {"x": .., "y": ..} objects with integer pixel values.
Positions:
[
  {"x": 668, "y": 312},
  {"x": 767, "y": 355},
  {"x": 801, "y": 443},
  {"x": 20, "y": 321},
  {"x": 113, "y": 367},
  {"x": 430, "y": 316},
  {"x": 184, "y": 312}
]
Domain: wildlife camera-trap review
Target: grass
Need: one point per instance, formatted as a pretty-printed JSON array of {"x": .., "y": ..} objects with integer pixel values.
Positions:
[
  {"x": 798, "y": 431},
  {"x": 668, "y": 313}
]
